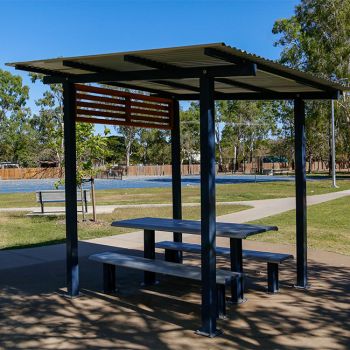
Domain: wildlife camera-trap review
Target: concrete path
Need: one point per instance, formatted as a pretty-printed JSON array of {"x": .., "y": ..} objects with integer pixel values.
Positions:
[
  {"x": 268, "y": 207},
  {"x": 164, "y": 317}
]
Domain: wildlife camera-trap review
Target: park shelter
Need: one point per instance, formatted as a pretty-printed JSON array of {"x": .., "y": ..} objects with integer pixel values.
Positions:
[{"x": 203, "y": 72}]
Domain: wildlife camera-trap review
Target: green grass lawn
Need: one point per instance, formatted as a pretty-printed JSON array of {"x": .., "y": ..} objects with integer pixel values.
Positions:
[
  {"x": 328, "y": 227},
  {"x": 190, "y": 194},
  {"x": 19, "y": 231}
]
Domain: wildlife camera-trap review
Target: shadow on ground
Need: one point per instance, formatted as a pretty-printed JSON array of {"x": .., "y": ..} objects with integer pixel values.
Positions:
[{"x": 34, "y": 316}]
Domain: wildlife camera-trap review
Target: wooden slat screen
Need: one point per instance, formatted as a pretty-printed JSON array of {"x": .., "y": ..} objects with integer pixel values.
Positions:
[{"x": 108, "y": 106}]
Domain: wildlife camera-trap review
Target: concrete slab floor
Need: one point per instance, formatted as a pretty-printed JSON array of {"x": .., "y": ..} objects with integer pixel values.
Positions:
[{"x": 33, "y": 315}]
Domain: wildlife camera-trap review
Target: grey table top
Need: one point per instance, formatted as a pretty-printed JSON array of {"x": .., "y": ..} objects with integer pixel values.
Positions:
[{"x": 223, "y": 229}]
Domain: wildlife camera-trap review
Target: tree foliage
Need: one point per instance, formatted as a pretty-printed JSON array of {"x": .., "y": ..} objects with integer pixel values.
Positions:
[
  {"x": 17, "y": 137},
  {"x": 316, "y": 39}
]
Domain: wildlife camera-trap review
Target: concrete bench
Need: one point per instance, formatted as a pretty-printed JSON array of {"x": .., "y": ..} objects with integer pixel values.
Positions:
[
  {"x": 59, "y": 196},
  {"x": 110, "y": 260},
  {"x": 272, "y": 259}
]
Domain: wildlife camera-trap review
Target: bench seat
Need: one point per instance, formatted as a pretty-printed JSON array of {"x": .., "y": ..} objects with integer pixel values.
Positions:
[
  {"x": 59, "y": 196},
  {"x": 272, "y": 259},
  {"x": 111, "y": 259}
]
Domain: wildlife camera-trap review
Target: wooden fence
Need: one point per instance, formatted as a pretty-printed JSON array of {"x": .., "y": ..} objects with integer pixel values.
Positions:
[
  {"x": 29, "y": 173},
  {"x": 134, "y": 170},
  {"x": 161, "y": 170}
]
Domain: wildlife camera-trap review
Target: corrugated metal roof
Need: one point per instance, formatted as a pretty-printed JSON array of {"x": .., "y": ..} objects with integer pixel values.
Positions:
[{"x": 271, "y": 76}]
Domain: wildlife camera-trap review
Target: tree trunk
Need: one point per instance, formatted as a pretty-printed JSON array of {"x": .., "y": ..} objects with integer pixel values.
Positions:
[
  {"x": 128, "y": 152},
  {"x": 310, "y": 163},
  {"x": 218, "y": 140}
]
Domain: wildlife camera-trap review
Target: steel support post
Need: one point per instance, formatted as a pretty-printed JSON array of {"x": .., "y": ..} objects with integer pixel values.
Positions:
[
  {"x": 334, "y": 163},
  {"x": 236, "y": 255},
  {"x": 176, "y": 176},
  {"x": 149, "y": 253},
  {"x": 69, "y": 112},
  {"x": 208, "y": 218},
  {"x": 300, "y": 189}
]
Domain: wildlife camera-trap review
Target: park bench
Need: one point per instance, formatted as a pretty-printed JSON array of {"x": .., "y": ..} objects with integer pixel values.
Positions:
[
  {"x": 59, "y": 196},
  {"x": 110, "y": 260},
  {"x": 272, "y": 259}
]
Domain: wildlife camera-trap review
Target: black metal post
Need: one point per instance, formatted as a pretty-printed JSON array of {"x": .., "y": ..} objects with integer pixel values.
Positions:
[
  {"x": 69, "y": 111},
  {"x": 272, "y": 277},
  {"x": 300, "y": 189},
  {"x": 109, "y": 281},
  {"x": 176, "y": 175},
  {"x": 149, "y": 253},
  {"x": 236, "y": 255},
  {"x": 208, "y": 218}
]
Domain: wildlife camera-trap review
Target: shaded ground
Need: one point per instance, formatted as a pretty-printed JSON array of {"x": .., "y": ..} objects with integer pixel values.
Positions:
[{"x": 34, "y": 316}]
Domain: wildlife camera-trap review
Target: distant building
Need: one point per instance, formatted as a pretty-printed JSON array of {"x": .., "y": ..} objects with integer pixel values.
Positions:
[{"x": 7, "y": 165}]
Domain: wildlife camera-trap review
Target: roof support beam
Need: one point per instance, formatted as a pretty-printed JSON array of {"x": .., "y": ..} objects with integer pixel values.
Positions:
[
  {"x": 97, "y": 69},
  {"x": 244, "y": 85},
  {"x": 165, "y": 67},
  {"x": 42, "y": 71},
  {"x": 177, "y": 85},
  {"x": 264, "y": 96},
  {"x": 222, "y": 55},
  {"x": 152, "y": 63},
  {"x": 213, "y": 71},
  {"x": 227, "y": 57},
  {"x": 87, "y": 67}
]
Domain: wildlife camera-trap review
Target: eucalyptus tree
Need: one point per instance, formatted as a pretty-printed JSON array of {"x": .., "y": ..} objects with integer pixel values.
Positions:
[
  {"x": 91, "y": 147},
  {"x": 189, "y": 133},
  {"x": 317, "y": 39},
  {"x": 17, "y": 136},
  {"x": 155, "y": 146},
  {"x": 247, "y": 125}
]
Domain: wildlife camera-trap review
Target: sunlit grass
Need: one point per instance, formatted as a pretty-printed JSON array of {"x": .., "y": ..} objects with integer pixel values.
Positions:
[
  {"x": 17, "y": 230},
  {"x": 328, "y": 226},
  {"x": 190, "y": 194}
]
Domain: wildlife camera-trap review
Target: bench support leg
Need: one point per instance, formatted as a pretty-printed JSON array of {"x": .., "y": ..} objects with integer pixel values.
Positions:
[
  {"x": 237, "y": 266},
  {"x": 272, "y": 278},
  {"x": 149, "y": 253},
  {"x": 109, "y": 285},
  {"x": 171, "y": 255},
  {"x": 221, "y": 301}
]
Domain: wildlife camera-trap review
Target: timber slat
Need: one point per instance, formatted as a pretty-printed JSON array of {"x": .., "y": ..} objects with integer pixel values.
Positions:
[
  {"x": 101, "y": 113},
  {"x": 101, "y": 106},
  {"x": 98, "y": 98},
  {"x": 103, "y": 91},
  {"x": 122, "y": 108},
  {"x": 159, "y": 120},
  {"x": 123, "y": 123}
]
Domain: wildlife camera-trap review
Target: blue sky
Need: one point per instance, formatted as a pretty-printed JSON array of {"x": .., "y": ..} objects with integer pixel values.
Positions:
[{"x": 35, "y": 29}]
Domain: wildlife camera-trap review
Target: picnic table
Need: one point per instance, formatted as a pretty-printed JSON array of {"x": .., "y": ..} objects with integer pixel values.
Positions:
[{"x": 235, "y": 232}]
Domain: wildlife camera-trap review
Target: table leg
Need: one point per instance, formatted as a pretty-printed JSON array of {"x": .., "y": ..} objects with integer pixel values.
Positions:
[
  {"x": 149, "y": 253},
  {"x": 237, "y": 290}
]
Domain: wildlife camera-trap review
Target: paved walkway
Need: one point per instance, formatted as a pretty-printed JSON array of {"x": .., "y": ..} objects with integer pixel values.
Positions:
[
  {"x": 163, "y": 317},
  {"x": 268, "y": 207}
]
